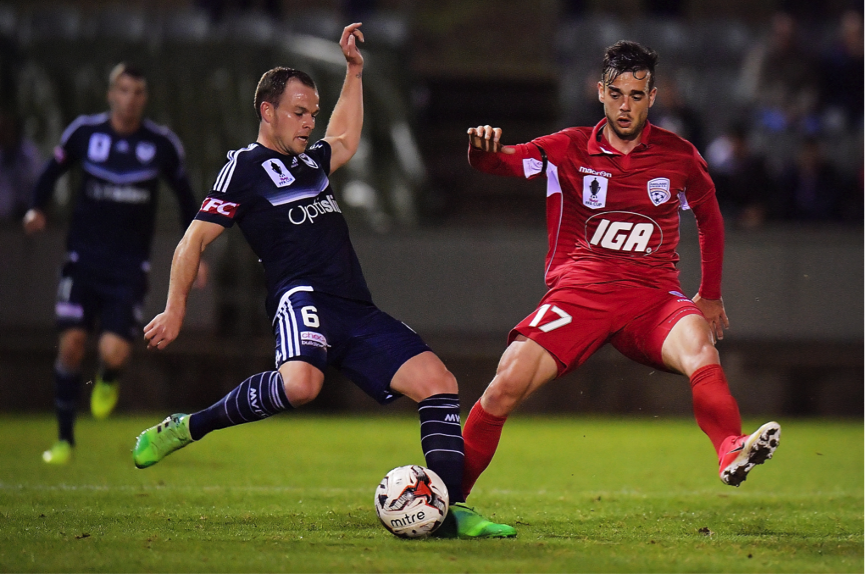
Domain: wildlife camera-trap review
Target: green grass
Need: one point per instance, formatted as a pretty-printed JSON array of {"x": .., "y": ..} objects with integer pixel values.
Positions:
[{"x": 295, "y": 494}]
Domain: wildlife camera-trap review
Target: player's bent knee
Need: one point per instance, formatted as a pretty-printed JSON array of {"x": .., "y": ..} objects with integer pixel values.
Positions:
[
  {"x": 302, "y": 382},
  {"x": 301, "y": 392},
  {"x": 72, "y": 348}
]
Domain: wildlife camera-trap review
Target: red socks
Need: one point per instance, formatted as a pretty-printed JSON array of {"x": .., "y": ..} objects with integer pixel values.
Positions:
[
  {"x": 481, "y": 438},
  {"x": 715, "y": 408}
]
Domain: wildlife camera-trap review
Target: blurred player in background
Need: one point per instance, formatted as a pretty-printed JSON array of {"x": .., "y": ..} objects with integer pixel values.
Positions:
[
  {"x": 613, "y": 197},
  {"x": 104, "y": 279},
  {"x": 278, "y": 191}
]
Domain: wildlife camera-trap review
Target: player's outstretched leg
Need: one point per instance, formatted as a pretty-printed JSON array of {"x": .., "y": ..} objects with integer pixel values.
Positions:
[
  {"x": 105, "y": 393},
  {"x": 159, "y": 441},
  {"x": 256, "y": 398},
  {"x": 442, "y": 443},
  {"x": 741, "y": 454}
]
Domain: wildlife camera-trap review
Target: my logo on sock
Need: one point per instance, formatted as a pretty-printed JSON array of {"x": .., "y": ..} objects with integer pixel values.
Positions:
[
  {"x": 452, "y": 418},
  {"x": 253, "y": 402}
]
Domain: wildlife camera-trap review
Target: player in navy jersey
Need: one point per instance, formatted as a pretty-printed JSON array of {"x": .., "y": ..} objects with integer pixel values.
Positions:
[
  {"x": 278, "y": 192},
  {"x": 614, "y": 192},
  {"x": 104, "y": 279}
]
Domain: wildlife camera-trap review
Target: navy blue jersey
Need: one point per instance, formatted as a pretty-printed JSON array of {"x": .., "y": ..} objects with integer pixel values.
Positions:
[
  {"x": 113, "y": 219},
  {"x": 284, "y": 206}
]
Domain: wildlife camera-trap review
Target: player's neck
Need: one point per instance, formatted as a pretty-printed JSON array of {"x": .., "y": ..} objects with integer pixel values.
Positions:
[
  {"x": 124, "y": 127},
  {"x": 624, "y": 146},
  {"x": 271, "y": 143}
]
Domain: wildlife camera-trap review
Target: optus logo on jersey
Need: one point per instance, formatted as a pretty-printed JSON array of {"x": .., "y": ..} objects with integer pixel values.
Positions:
[
  {"x": 625, "y": 232},
  {"x": 309, "y": 212}
]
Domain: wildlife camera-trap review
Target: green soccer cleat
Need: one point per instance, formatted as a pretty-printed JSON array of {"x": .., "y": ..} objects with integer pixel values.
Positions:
[
  {"x": 59, "y": 453},
  {"x": 157, "y": 442},
  {"x": 464, "y": 522},
  {"x": 103, "y": 399}
]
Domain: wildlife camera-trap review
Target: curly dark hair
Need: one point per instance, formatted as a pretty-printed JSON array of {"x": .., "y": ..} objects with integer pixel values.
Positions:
[
  {"x": 272, "y": 85},
  {"x": 625, "y": 56}
]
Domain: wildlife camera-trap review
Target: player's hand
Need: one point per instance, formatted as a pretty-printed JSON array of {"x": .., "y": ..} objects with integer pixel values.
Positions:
[
  {"x": 201, "y": 276},
  {"x": 488, "y": 138},
  {"x": 162, "y": 330},
  {"x": 34, "y": 221},
  {"x": 348, "y": 42},
  {"x": 713, "y": 311}
]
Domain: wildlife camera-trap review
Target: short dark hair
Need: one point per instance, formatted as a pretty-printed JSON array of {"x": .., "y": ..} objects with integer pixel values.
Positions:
[
  {"x": 272, "y": 85},
  {"x": 125, "y": 69},
  {"x": 625, "y": 56}
]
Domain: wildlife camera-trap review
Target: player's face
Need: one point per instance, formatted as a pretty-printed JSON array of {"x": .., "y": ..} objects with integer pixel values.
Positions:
[
  {"x": 627, "y": 100},
  {"x": 294, "y": 118},
  {"x": 127, "y": 98}
]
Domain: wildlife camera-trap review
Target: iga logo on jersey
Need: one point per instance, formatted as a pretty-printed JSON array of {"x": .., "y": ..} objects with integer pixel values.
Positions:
[
  {"x": 659, "y": 190},
  {"x": 624, "y": 232},
  {"x": 594, "y": 191},
  {"x": 278, "y": 173},
  {"x": 218, "y": 206}
]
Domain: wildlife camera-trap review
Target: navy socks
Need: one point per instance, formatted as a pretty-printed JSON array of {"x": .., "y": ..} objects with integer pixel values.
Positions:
[
  {"x": 258, "y": 397},
  {"x": 442, "y": 441},
  {"x": 67, "y": 391}
]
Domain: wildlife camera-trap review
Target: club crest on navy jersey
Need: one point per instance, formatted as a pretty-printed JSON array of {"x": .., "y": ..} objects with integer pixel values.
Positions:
[
  {"x": 594, "y": 191},
  {"x": 308, "y": 161},
  {"x": 145, "y": 151},
  {"x": 659, "y": 190},
  {"x": 278, "y": 173}
]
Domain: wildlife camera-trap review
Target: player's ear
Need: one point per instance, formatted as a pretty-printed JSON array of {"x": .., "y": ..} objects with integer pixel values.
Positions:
[
  {"x": 267, "y": 112},
  {"x": 601, "y": 92},
  {"x": 652, "y": 94}
]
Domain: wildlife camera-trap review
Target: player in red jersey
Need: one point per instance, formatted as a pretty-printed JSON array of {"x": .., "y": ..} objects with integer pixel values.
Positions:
[{"x": 613, "y": 197}]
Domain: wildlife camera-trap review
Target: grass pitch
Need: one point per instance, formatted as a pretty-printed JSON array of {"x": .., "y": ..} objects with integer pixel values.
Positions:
[{"x": 295, "y": 494}]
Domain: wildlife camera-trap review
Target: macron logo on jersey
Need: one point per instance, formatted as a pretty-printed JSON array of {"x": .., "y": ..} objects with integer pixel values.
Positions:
[
  {"x": 218, "y": 206},
  {"x": 277, "y": 172}
]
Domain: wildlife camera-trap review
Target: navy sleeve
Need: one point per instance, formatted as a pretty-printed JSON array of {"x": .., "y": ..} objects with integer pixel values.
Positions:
[
  {"x": 174, "y": 173},
  {"x": 320, "y": 152},
  {"x": 222, "y": 203},
  {"x": 65, "y": 154}
]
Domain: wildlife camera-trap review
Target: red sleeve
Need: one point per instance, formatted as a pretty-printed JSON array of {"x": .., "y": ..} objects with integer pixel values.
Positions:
[
  {"x": 711, "y": 229},
  {"x": 525, "y": 162}
]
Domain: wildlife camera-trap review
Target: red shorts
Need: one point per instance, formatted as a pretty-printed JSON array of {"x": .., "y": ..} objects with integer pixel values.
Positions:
[{"x": 573, "y": 322}]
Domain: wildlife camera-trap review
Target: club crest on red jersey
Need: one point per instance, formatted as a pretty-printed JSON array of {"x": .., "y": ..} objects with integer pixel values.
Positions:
[
  {"x": 595, "y": 191},
  {"x": 659, "y": 190}
]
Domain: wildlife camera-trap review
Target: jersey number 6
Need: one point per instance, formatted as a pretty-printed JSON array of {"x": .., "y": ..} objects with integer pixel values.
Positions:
[
  {"x": 563, "y": 319},
  {"x": 310, "y": 319}
]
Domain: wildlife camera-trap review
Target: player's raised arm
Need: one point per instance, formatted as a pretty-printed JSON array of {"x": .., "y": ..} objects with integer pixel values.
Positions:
[
  {"x": 487, "y": 154},
  {"x": 346, "y": 121},
  {"x": 165, "y": 327}
]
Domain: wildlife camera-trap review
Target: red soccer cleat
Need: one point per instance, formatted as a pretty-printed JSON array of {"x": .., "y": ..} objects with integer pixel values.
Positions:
[{"x": 748, "y": 451}]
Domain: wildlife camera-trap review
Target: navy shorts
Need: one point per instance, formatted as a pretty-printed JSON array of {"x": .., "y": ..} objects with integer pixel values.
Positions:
[
  {"x": 362, "y": 341},
  {"x": 87, "y": 301}
]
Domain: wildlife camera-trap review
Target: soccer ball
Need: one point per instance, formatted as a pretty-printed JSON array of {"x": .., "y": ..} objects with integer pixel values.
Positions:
[{"x": 411, "y": 501}]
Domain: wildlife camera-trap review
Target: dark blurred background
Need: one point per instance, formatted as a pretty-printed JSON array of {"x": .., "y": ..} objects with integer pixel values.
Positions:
[{"x": 770, "y": 91}]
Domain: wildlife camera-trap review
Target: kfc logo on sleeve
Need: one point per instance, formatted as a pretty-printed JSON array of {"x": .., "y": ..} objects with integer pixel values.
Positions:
[{"x": 220, "y": 207}]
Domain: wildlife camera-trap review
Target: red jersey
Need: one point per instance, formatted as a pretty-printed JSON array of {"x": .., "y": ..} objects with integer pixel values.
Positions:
[{"x": 613, "y": 216}]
